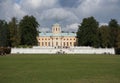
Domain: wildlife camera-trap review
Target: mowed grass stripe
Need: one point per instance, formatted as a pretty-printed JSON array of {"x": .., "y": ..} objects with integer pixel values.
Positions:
[{"x": 35, "y": 68}]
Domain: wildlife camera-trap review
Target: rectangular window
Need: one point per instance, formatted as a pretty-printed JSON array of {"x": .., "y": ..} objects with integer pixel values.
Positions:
[
  {"x": 56, "y": 43},
  {"x": 74, "y": 43},
  {"x": 64, "y": 44},
  {"x": 45, "y": 43},
  {"x": 38, "y": 43},
  {"x": 52, "y": 43},
  {"x": 42, "y": 43},
  {"x": 70, "y": 43},
  {"x": 49, "y": 44},
  {"x": 67, "y": 44}
]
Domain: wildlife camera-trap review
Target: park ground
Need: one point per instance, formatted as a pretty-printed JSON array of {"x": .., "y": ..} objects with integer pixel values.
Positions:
[{"x": 42, "y": 68}]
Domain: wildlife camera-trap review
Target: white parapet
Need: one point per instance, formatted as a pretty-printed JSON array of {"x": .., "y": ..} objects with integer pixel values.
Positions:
[{"x": 71, "y": 50}]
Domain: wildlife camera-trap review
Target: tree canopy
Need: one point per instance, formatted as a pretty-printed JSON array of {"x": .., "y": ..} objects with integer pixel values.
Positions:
[
  {"x": 104, "y": 37},
  {"x": 14, "y": 32},
  {"x": 87, "y": 32},
  {"x": 90, "y": 34},
  {"x": 17, "y": 33},
  {"x": 114, "y": 26},
  {"x": 4, "y": 34},
  {"x": 28, "y": 30}
]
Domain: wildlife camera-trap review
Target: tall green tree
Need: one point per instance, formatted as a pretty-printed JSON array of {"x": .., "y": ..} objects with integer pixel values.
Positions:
[
  {"x": 4, "y": 34},
  {"x": 14, "y": 32},
  {"x": 87, "y": 32},
  {"x": 118, "y": 41},
  {"x": 114, "y": 26},
  {"x": 28, "y": 30},
  {"x": 104, "y": 37}
]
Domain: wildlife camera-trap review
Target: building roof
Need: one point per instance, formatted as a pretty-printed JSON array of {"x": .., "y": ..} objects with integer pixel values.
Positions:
[{"x": 58, "y": 35}]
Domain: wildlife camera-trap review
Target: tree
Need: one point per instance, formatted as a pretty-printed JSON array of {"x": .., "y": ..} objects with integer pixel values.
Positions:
[
  {"x": 28, "y": 30},
  {"x": 4, "y": 34},
  {"x": 118, "y": 39},
  {"x": 87, "y": 32},
  {"x": 113, "y": 24},
  {"x": 14, "y": 32},
  {"x": 104, "y": 36}
]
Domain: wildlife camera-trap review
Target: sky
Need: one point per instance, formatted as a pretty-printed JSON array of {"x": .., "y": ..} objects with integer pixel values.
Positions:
[{"x": 68, "y": 13}]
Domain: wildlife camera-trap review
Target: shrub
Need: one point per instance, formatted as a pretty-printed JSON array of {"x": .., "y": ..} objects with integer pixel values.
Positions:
[
  {"x": 5, "y": 50},
  {"x": 117, "y": 50}
]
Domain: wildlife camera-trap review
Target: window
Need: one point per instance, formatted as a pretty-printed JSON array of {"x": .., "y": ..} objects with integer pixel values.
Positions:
[
  {"x": 67, "y": 44},
  {"x": 64, "y": 44},
  {"x": 52, "y": 43},
  {"x": 39, "y": 43},
  {"x": 70, "y": 43},
  {"x": 56, "y": 43},
  {"x": 74, "y": 43},
  {"x": 49, "y": 44},
  {"x": 45, "y": 43},
  {"x": 42, "y": 43}
]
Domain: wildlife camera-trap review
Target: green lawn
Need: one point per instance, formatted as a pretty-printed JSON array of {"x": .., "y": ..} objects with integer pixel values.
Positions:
[{"x": 60, "y": 69}]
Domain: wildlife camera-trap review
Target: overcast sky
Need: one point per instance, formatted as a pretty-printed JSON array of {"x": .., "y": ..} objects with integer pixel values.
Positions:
[{"x": 68, "y": 13}]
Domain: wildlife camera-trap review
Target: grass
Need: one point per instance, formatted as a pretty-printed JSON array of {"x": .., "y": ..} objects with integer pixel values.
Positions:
[{"x": 60, "y": 69}]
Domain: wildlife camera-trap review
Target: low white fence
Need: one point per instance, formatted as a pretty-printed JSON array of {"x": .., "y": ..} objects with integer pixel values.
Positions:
[{"x": 72, "y": 50}]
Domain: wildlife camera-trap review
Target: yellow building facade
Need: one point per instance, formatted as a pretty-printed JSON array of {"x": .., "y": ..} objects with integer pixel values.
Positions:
[{"x": 57, "y": 38}]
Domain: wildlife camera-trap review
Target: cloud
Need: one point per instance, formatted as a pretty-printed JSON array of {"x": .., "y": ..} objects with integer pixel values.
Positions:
[
  {"x": 10, "y": 9},
  {"x": 38, "y": 4},
  {"x": 69, "y": 3},
  {"x": 44, "y": 29},
  {"x": 17, "y": 10},
  {"x": 58, "y": 14},
  {"x": 103, "y": 24},
  {"x": 102, "y": 9},
  {"x": 68, "y": 13},
  {"x": 72, "y": 27}
]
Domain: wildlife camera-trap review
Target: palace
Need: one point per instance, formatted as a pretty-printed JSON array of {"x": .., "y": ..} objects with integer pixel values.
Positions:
[
  {"x": 57, "y": 38},
  {"x": 51, "y": 43}
]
